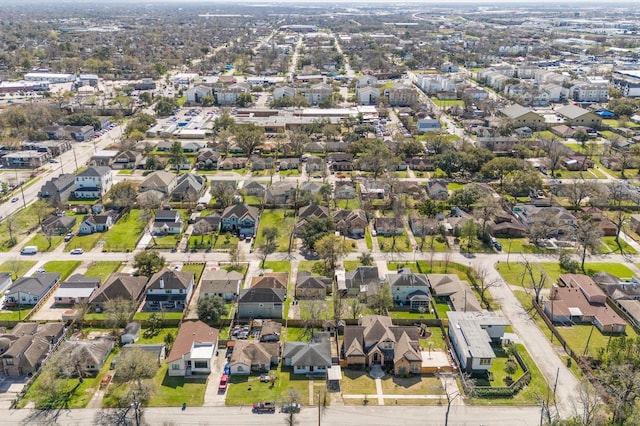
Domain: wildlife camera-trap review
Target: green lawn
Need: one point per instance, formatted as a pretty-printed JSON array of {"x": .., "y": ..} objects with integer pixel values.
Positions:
[
  {"x": 292, "y": 172},
  {"x": 415, "y": 315},
  {"x": 513, "y": 272},
  {"x": 166, "y": 242},
  {"x": 173, "y": 391},
  {"x": 519, "y": 245},
  {"x": 276, "y": 218},
  {"x": 124, "y": 235},
  {"x": 616, "y": 123},
  {"x": 357, "y": 382},
  {"x": 252, "y": 200},
  {"x": 609, "y": 246},
  {"x": 246, "y": 390},
  {"x": 43, "y": 243},
  {"x": 278, "y": 265},
  {"x": 17, "y": 268},
  {"x": 415, "y": 385},
  {"x": 24, "y": 220},
  {"x": 225, "y": 241},
  {"x": 14, "y": 314},
  {"x": 436, "y": 340},
  {"x": 196, "y": 268},
  {"x": 125, "y": 172},
  {"x": 347, "y": 204},
  {"x": 402, "y": 243},
  {"x": 442, "y": 267},
  {"x": 142, "y": 316},
  {"x": 63, "y": 267},
  {"x": 577, "y": 337},
  {"x": 102, "y": 269},
  {"x": 296, "y": 334},
  {"x": 307, "y": 265},
  {"x": 368, "y": 239},
  {"x": 158, "y": 337},
  {"x": 85, "y": 242},
  {"x": 350, "y": 265},
  {"x": 447, "y": 102}
]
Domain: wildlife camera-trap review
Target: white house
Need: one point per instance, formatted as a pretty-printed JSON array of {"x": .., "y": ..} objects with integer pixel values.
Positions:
[
  {"x": 94, "y": 182},
  {"x": 193, "y": 350}
]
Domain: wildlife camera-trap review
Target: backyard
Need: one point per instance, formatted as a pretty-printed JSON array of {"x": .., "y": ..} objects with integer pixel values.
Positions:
[{"x": 124, "y": 235}]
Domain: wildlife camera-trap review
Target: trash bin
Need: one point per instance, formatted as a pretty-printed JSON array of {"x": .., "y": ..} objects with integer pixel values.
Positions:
[{"x": 568, "y": 362}]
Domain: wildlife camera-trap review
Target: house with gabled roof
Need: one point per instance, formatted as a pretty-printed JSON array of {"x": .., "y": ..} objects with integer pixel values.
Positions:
[
  {"x": 221, "y": 283},
  {"x": 76, "y": 289},
  {"x": 160, "y": 180},
  {"x": 252, "y": 355},
  {"x": 58, "y": 225},
  {"x": 119, "y": 286},
  {"x": 351, "y": 222},
  {"x": 307, "y": 212},
  {"x": 457, "y": 293},
  {"x": 126, "y": 160},
  {"x": 96, "y": 223},
  {"x": 278, "y": 280},
  {"x": 376, "y": 341},
  {"x": 194, "y": 349},
  {"x": 261, "y": 303},
  {"x": 59, "y": 188},
  {"x": 169, "y": 289},
  {"x": 310, "y": 286},
  {"x": 93, "y": 182},
  {"x": 189, "y": 187},
  {"x": 88, "y": 356},
  {"x": 167, "y": 222},
  {"x": 361, "y": 277},
  {"x": 521, "y": 116},
  {"x": 576, "y": 116},
  {"x": 388, "y": 226},
  {"x": 254, "y": 188},
  {"x": 313, "y": 357},
  {"x": 410, "y": 289},
  {"x": 25, "y": 348},
  {"x": 30, "y": 290},
  {"x": 207, "y": 159},
  {"x": 240, "y": 219}
]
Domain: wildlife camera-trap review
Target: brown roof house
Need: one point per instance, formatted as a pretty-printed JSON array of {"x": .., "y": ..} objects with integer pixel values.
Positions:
[
  {"x": 87, "y": 356},
  {"x": 169, "y": 290},
  {"x": 118, "y": 286},
  {"x": 193, "y": 350},
  {"x": 276, "y": 280},
  {"x": 376, "y": 341},
  {"x": 312, "y": 287},
  {"x": 307, "y": 212},
  {"x": 351, "y": 222},
  {"x": 24, "y": 349},
  {"x": 578, "y": 299},
  {"x": 251, "y": 355}
]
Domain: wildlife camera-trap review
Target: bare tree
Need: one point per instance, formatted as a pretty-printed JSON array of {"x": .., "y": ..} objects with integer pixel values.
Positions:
[
  {"x": 483, "y": 283},
  {"x": 134, "y": 366},
  {"x": 12, "y": 227},
  {"x": 577, "y": 191},
  {"x": 118, "y": 312},
  {"x": 555, "y": 151},
  {"x": 537, "y": 278},
  {"x": 355, "y": 308},
  {"x": 617, "y": 195},
  {"x": 588, "y": 405},
  {"x": 588, "y": 236},
  {"x": 235, "y": 255}
]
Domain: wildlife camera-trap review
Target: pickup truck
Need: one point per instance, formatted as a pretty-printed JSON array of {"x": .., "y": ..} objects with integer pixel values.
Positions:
[{"x": 264, "y": 407}]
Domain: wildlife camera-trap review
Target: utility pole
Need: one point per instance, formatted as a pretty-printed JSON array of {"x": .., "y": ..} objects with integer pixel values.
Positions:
[{"x": 318, "y": 408}]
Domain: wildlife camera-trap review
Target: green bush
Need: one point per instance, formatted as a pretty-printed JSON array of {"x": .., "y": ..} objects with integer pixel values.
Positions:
[{"x": 495, "y": 392}]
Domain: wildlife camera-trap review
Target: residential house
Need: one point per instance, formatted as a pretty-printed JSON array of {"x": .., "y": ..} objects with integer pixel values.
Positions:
[
  {"x": 472, "y": 335},
  {"x": 161, "y": 181},
  {"x": 576, "y": 116},
  {"x": 25, "y": 159},
  {"x": 253, "y": 356},
  {"x": 207, "y": 159},
  {"x": 30, "y": 290},
  {"x": 93, "y": 182},
  {"x": 608, "y": 228},
  {"x": 270, "y": 331},
  {"x": 634, "y": 223},
  {"x": 24, "y": 349},
  {"x": 317, "y": 93},
  {"x": 345, "y": 191},
  {"x": 167, "y": 222},
  {"x": 528, "y": 214},
  {"x": 80, "y": 133},
  {"x": 505, "y": 225},
  {"x": 240, "y": 219},
  {"x": 373, "y": 189},
  {"x": 233, "y": 163},
  {"x": 126, "y": 160},
  {"x": 421, "y": 226},
  {"x": 130, "y": 333},
  {"x": 457, "y": 293},
  {"x": 312, "y": 287},
  {"x": 255, "y": 189},
  {"x": 521, "y": 116},
  {"x": 189, "y": 187},
  {"x": 280, "y": 193},
  {"x": 221, "y": 283},
  {"x": 578, "y": 299},
  {"x": 314, "y": 164},
  {"x": 95, "y": 223},
  {"x": 499, "y": 145},
  {"x": 313, "y": 357},
  {"x": 351, "y": 222},
  {"x": 340, "y": 161},
  {"x": 170, "y": 290},
  {"x": 194, "y": 349},
  {"x": 277, "y": 280},
  {"x": 376, "y": 341},
  {"x": 289, "y": 164},
  {"x": 311, "y": 211},
  {"x": 359, "y": 279},
  {"x": 388, "y": 226},
  {"x": 212, "y": 224},
  {"x": 118, "y": 286},
  {"x": 103, "y": 158},
  {"x": 58, "y": 189},
  {"x": 76, "y": 289},
  {"x": 401, "y": 95},
  {"x": 261, "y": 303},
  {"x": 410, "y": 289},
  {"x": 577, "y": 163},
  {"x": 437, "y": 190},
  {"x": 428, "y": 124},
  {"x": 57, "y": 225},
  {"x": 421, "y": 164},
  {"x": 88, "y": 356}
]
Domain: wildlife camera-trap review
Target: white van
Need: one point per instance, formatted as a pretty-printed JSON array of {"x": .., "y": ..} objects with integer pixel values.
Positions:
[{"x": 29, "y": 250}]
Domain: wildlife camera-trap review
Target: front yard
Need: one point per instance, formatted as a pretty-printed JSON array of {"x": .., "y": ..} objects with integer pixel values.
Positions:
[
  {"x": 246, "y": 390},
  {"x": 63, "y": 267},
  {"x": 43, "y": 243},
  {"x": 399, "y": 244},
  {"x": 279, "y": 219},
  {"x": 124, "y": 235}
]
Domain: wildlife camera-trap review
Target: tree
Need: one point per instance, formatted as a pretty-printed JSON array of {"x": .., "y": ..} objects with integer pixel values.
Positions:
[
  {"x": 41, "y": 209},
  {"x": 176, "y": 156},
  {"x": 555, "y": 151},
  {"x": 588, "y": 406},
  {"x": 118, "y": 312},
  {"x": 377, "y": 158},
  {"x": 588, "y": 236},
  {"x": 123, "y": 195},
  {"x": 148, "y": 262},
  {"x": 270, "y": 245},
  {"x": 314, "y": 228},
  {"x": 381, "y": 302},
  {"x": 135, "y": 365},
  {"x": 463, "y": 197},
  {"x": 12, "y": 227},
  {"x": 248, "y": 138},
  {"x": 521, "y": 183},
  {"x": 224, "y": 193},
  {"x": 164, "y": 106},
  {"x": 366, "y": 259},
  {"x": 224, "y": 122},
  {"x": 577, "y": 191},
  {"x": 330, "y": 248},
  {"x": 499, "y": 167},
  {"x": 211, "y": 309},
  {"x": 537, "y": 281},
  {"x": 470, "y": 231},
  {"x": 202, "y": 228},
  {"x": 355, "y": 307},
  {"x": 483, "y": 283},
  {"x": 235, "y": 256},
  {"x": 484, "y": 211},
  {"x": 617, "y": 195}
]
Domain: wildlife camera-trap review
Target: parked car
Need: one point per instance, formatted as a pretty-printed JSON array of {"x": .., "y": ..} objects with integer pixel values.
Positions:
[
  {"x": 14, "y": 199},
  {"x": 76, "y": 251},
  {"x": 224, "y": 381},
  {"x": 264, "y": 407},
  {"x": 292, "y": 407},
  {"x": 227, "y": 369},
  {"x": 68, "y": 237}
]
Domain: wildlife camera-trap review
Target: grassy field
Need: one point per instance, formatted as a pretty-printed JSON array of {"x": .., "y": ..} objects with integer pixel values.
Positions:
[
  {"x": 519, "y": 245},
  {"x": 42, "y": 242},
  {"x": 63, "y": 267},
  {"x": 368, "y": 239},
  {"x": 124, "y": 235},
  {"x": 278, "y": 265},
  {"x": 350, "y": 265},
  {"x": 357, "y": 382},
  {"x": 196, "y": 268},
  {"x": 143, "y": 316},
  {"x": 513, "y": 272},
  {"x": 402, "y": 243},
  {"x": 587, "y": 339},
  {"x": 245, "y": 390},
  {"x": 444, "y": 103},
  {"x": 307, "y": 265},
  {"x": 23, "y": 221},
  {"x": 276, "y": 219},
  {"x": 17, "y": 268},
  {"x": 85, "y": 242},
  {"x": 173, "y": 391},
  {"x": 609, "y": 246},
  {"x": 102, "y": 269},
  {"x": 414, "y": 385}
]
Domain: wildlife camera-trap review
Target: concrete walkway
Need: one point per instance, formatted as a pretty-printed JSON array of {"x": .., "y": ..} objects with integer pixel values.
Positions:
[{"x": 379, "y": 392}]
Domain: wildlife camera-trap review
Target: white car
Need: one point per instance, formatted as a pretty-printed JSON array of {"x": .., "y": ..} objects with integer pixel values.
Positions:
[{"x": 76, "y": 251}]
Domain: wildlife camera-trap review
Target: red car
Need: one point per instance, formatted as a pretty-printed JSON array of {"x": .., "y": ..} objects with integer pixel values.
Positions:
[{"x": 224, "y": 381}]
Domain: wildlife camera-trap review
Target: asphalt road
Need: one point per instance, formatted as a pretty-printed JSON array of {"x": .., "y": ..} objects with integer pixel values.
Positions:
[{"x": 333, "y": 415}]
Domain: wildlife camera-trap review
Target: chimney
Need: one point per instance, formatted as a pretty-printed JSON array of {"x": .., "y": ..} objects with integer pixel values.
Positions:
[{"x": 161, "y": 282}]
